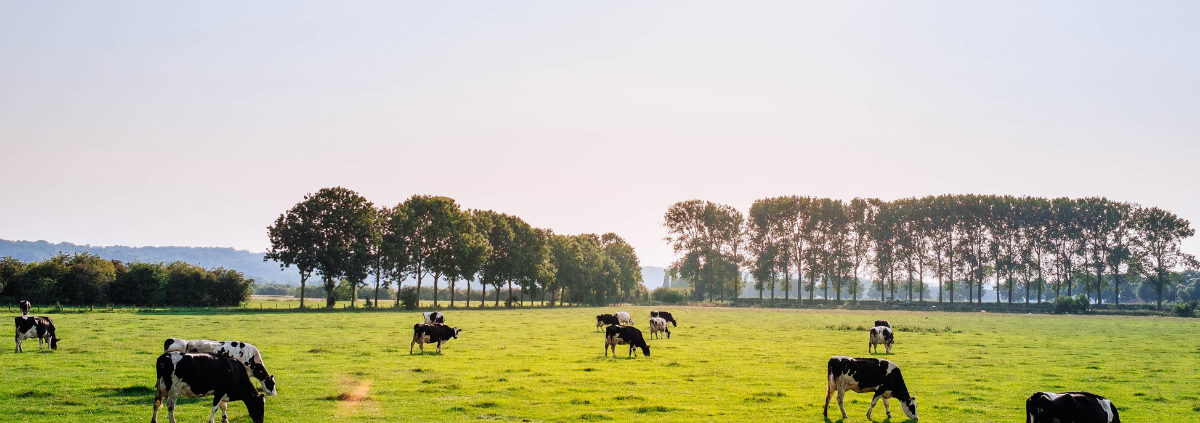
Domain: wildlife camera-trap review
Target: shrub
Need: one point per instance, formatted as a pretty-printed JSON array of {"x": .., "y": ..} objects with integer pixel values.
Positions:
[
  {"x": 1186, "y": 309},
  {"x": 1075, "y": 305},
  {"x": 667, "y": 296},
  {"x": 409, "y": 298}
]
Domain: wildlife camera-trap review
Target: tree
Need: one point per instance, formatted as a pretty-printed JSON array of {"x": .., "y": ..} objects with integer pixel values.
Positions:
[
  {"x": 1158, "y": 235},
  {"x": 295, "y": 240},
  {"x": 339, "y": 243},
  {"x": 434, "y": 228},
  {"x": 707, "y": 232}
]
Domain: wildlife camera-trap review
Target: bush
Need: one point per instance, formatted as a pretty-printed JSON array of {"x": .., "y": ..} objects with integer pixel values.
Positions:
[
  {"x": 667, "y": 296},
  {"x": 409, "y": 298},
  {"x": 1076, "y": 305},
  {"x": 1185, "y": 309}
]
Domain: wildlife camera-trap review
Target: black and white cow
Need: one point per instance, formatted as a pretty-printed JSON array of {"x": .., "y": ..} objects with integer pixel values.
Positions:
[
  {"x": 428, "y": 334},
  {"x": 868, "y": 375},
  {"x": 622, "y": 335},
  {"x": 666, "y": 315},
  {"x": 243, "y": 352},
  {"x": 434, "y": 317},
  {"x": 201, "y": 375},
  {"x": 883, "y": 323},
  {"x": 25, "y": 306},
  {"x": 1070, "y": 407},
  {"x": 658, "y": 325},
  {"x": 42, "y": 328},
  {"x": 606, "y": 319},
  {"x": 624, "y": 317},
  {"x": 881, "y": 335}
]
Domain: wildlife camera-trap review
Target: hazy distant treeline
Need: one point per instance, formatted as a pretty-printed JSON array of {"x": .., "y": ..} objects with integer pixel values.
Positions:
[
  {"x": 87, "y": 279},
  {"x": 339, "y": 235},
  {"x": 1023, "y": 248}
]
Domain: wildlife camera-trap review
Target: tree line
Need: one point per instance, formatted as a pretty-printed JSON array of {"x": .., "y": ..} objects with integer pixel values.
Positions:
[
  {"x": 337, "y": 234},
  {"x": 1030, "y": 246},
  {"x": 87, "y": 279}
]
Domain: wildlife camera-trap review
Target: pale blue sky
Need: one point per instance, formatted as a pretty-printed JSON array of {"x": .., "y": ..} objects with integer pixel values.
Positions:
[{"x": 150, "y": 123}]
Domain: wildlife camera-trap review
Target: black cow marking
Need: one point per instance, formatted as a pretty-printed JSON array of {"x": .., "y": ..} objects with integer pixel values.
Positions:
[
  {"x": 881, "y": 335},
  {"x": 666, "y": 315},
  {"x": 1070, "y": 407},
  {"x": 201, "y": 375},
  {"x": 432, "y": 333},
  {"x": 624, "y": 335},
  {"x": 606, "y": 319},
  {"x": 40, "y": 327}
]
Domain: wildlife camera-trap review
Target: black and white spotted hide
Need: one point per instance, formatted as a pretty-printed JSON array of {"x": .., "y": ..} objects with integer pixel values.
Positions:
[
  {"x": 201, "y": 375},
  {"x": 625, "y": 335},
  {"x": 658, "y": 325},
  {"x": 868, "y": 375},
  {"x": 1070, "y": 407},
  {"x": 25, "y": 306},
  {"x": 881, "y": 335},
  {"x": 430, "y": 334},
  {"x": 241, "y": 351},
  {"x": 40, "y": 327},
  {"x": 434, "y": 317}
]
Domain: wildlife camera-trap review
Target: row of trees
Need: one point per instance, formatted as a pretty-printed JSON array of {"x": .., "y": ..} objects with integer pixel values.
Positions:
[
  {"x": 87, "y": 279},
  {"x": 1027, "y": 244},
  {"x": 337, "y": 234}
]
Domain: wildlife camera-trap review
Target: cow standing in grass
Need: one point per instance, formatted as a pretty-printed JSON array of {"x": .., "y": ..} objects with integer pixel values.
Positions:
[
  {"x": 624, "y": 317},
  {"x": 881, "y": 335},
  {"x": 25, "y": 306},
  {"x": 868, "y": 375},
  {"x": 1070, "y": 407},
  {"x": 201, "y": 375},
  {"x": 40, "y": 327},
  {"x": 248, "y": 354},
  {"x": 624, "y": 335},
  {"x": 606, "y": 319},
  {"x": 657, "y": 326},
  {"x": 435, "y": 333},
  {"x": 666, "y": 315},
  {"x": 434, "y": 317}
]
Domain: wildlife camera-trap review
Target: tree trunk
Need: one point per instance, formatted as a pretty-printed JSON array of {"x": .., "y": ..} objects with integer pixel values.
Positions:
[
  {"x": 303, "y": 279},
  {"x": 329, "y": 300},
  {"x": 497, "y": 304},
  {"x": 1117, "y": 288},
  {"x": 468, "y": 294},
  {"x": 483, "y": 293},
  {"x": 452, "y": 284},
  {"x": 508, "y": 302},
  {"x": 436, "y": 276},
  {"x": 377, "y": 287}
]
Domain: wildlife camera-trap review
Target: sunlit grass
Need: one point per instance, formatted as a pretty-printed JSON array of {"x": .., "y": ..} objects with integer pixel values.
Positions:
[{"x": 549, "y": 365}]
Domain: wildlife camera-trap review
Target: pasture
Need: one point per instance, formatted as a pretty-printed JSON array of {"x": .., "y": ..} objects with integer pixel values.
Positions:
[{"x": 548, "y": 365}]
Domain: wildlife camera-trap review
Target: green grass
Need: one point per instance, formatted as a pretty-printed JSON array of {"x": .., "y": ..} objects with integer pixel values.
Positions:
[{"x": 548, "y": 365}]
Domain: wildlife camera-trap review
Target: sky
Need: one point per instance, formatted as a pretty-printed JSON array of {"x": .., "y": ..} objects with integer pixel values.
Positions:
[{"x": 196, "y": 124}]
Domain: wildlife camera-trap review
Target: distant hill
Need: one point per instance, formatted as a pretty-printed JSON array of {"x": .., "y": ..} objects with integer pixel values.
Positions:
[{"x": 251, "y": 264}]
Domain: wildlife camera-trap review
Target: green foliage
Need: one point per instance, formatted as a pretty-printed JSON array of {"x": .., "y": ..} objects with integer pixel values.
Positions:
[
  {"x": 409, "y": 298},
  {"x": 274, "y": 289},
  {"x": 140, "y": 283},
  {"x": 1071, "y": 305},
  {"x": 86, "y": 279},
  {"x": 667, "y": 296},
  {"x": 1187, "y": 309}
]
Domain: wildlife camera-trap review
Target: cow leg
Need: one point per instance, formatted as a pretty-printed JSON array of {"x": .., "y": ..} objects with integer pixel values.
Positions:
[
  {"x": 224, "y": 411},
  {"x": 18, "y": 348},
  {"x": 171, "y": 410},
  {"x": 216, "y": 405},
  {"x": 439, "y": 347},
  {"x": 668, "y": 333},
  {"x": 872, "y": 407},
  {"x": 886, "y": 408},
  {"x": 158, "y": 398},
  {"x": 828, "y": 395},
  {"x": 842, "y": 403}
]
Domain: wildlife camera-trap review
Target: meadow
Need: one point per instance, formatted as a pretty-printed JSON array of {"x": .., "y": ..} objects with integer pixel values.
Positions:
[{"x": 547, "y": 364}]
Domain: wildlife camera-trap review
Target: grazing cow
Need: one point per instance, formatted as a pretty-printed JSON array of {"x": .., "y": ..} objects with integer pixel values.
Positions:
[
  {"x": 869, "y": 375},
  {"x": 42, "y": 328},
  {"x": 666, "y": 315},
  {"x": 1070, "y": 407},
  {"x": 881, "y": 335},
  {"x": 25, "y": 306},
  {"x": 624, "y": 318},
  {"x": 434, "y": 317},
  {"x": 883, "y": 323},
  {"x": 201, "y": 375},
  {"x": 606, "y": 319},
  {"x": 428, "y": 334},
  {"x": 241, "y": 351},
  {"x": 622, "y": 335},
  {"x": 658, "y": 324}
]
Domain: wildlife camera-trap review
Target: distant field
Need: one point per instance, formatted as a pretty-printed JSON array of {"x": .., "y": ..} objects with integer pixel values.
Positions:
[{"x": 548, "y": 365}]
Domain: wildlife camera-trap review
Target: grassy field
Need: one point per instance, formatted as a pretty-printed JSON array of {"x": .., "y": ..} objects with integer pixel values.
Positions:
[{"x": 548, "y": 365}]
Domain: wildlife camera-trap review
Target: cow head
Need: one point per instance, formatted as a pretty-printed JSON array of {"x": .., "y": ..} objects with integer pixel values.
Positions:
[
  {"x": 456, "y": 331},
  {"x": 646, "y": 350},
  {"x": 255, "y": 406},
  {"x": 54, "y": 342},
  {"x": 269, "y": 385},
  {"x": 172, "y": 344},
  {"x": 910, "y": 407},
  {"x": 260, "y": 373}
]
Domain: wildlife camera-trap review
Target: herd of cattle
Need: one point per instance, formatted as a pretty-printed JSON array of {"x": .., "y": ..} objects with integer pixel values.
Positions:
[{"x": 224, "y": 369}]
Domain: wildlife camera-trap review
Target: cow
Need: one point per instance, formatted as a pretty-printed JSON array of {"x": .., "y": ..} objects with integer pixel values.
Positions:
[
  {"x": 658, "y": 324},
  {"x": 606, "y": 319},
  {"x": 622, "y": 335},
  {"x": 200, "y": 375},
  {"x": 1070, "y": 407},
  {"x": 868, "y": 375},
  {"x": 666, "y": 315},
  {"x": 241, "y": 351},
  {"x": 883, "y": 323},
  {"x": 881, "y": 335},
  {"x": 428, "y": 334},
  {"x": 434, "y": 317},
  {"x": 624, "y": 318},
  {"x": 42, "y": 328},
  {"x": 25, "y": 306}
]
